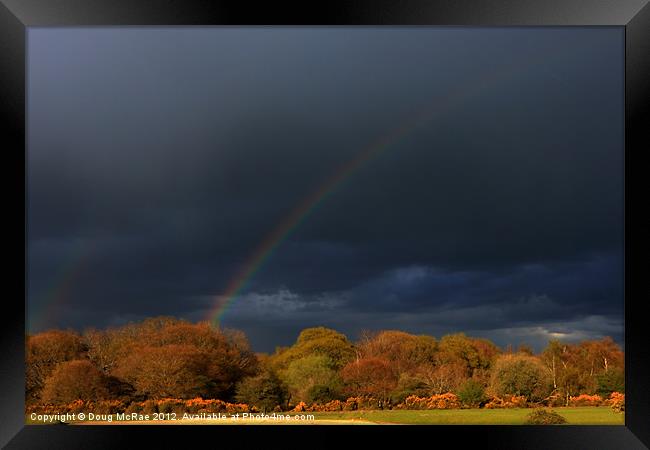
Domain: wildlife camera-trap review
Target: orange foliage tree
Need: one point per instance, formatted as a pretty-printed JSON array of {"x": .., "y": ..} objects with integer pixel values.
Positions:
[
  {"x": 372, "y": 377},
  {"x": 405, "y": 352},
  {"x": 74, "y": 380},
  {"x": 173, "y": 370},
  {"x": 44, "y": 351},
  {"x": 215, "y": 359}
]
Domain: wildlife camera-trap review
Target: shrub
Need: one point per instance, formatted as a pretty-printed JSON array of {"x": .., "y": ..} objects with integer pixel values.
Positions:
[
  {"x": 617, "y": 401},
  {"x": 540, "y": 416},
  {"x": 442, "y": 401},
  {"x": 149, "y": 407},
  {"x": 199, "y": 405},
  {"x": 192, "y": 406},
  {"x": 43, "y": 409},
  {"x": 472, "y": 393},
  {"x": 171, "y": 405},
  {"x": 514, "y": 401},
  {"x": 555, "y": 399},
  {"x": 334, "y": 405},
  {"x": 134, "y": 407},
  {"x": 109, "y": 407},
  {"x": 351, "y": 404},
  {"x": 243, "y": 407},
  {"x": 586, "y": 400},
  {"x": 76, "y": 406},
  {"x": 300, "y": 407}
]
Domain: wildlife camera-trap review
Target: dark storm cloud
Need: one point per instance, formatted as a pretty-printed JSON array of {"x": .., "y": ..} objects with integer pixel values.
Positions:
[
  {"x": 159, "y": 159},
  {"x": 496, "y": 304}
]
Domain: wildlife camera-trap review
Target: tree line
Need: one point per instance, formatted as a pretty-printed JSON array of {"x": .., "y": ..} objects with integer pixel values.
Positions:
[{"x": 168, "y": 358}]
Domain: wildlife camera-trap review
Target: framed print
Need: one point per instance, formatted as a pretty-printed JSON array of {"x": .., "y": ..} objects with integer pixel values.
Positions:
[{"x": 289, "y": 220}]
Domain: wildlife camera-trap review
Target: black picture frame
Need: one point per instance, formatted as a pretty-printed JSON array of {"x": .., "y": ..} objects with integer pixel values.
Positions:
[{"x": 17, "y": 15}]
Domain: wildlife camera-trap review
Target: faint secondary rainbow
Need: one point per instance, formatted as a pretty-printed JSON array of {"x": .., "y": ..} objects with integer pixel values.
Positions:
[
  {"x": 300, "y": 212},
  {"x": 62, "y": 286}
]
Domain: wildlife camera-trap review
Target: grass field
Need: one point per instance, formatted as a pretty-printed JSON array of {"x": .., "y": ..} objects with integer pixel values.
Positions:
[
  {"x": 516, "y": 416},
  {"x": 575, "y": 416}
]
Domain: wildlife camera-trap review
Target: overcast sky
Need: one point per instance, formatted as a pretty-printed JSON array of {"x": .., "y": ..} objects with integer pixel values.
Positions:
[{"x": 160, "y": 158}]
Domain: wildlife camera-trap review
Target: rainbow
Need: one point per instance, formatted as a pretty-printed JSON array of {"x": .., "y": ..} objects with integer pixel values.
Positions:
[
  {"x": 302, "y": 211},
  {"x": 295, "y": 218}
]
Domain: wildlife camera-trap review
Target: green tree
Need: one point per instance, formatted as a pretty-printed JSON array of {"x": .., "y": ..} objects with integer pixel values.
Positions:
[
  {"x": 520, "y": 374},
  {"x": 322, "y": 393},
  {"x": 611, "y": 381},
  {"x": 409, "y": 385},
  {"x": 316, "y": 341},
  {"x": 312, "y": 378},
  {"x": 266, "y": 391}
]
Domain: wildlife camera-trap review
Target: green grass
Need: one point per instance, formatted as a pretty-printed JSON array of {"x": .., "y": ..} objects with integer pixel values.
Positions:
[{"x": 602, "y": 415}]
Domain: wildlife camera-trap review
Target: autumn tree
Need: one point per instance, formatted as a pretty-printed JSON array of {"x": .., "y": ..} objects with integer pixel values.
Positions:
[
  {"x": 552, "y": 358},
  {"x": 75, "y": 380},
  {"x": 475, "y": 354},
  {"x": 225, "y": 356},
  {"x": 244, "y": 358},
  {"x": 572, "y": 379},
  {"x": 599, "y": 357},
  {"x": 525, "y": 349},
  {"x": 406, "y": 352},
  {"x": 44, "y": 352},
  {"x": 585, "y": 368},
  {"x": 457, "y": 359},
  {"x": 560, "y": 361},
  {"x": 178, "y": 371},
  {"x": 106, "y": 347},
  {"x": 370, "y": 377},
  {"x": 443, "y": 377}
]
